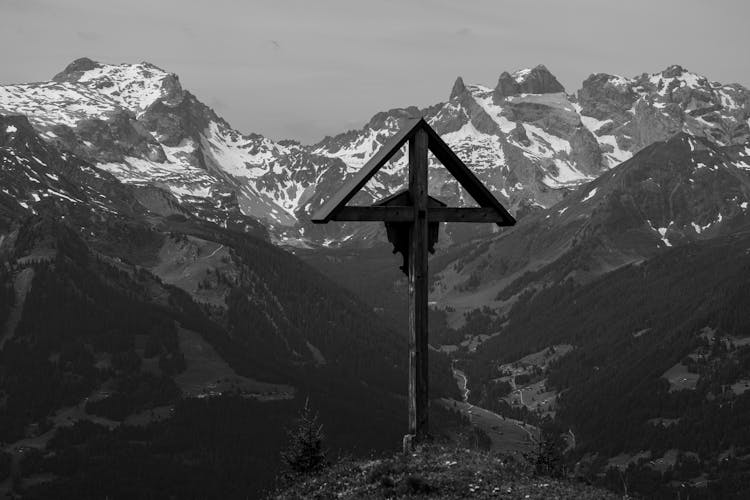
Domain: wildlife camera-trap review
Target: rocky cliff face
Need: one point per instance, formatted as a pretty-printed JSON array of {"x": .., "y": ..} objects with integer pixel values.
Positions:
[
  {"x": 638, "y": 111},
  {"x": 526, "y": 81}
]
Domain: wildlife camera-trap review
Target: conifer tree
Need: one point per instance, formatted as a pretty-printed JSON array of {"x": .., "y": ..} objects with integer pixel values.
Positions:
[{"x": 305, "y": 453}]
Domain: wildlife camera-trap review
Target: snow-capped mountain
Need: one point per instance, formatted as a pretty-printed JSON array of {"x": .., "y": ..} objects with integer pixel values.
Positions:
[
  {"x": 136, "y": 122},
  {"x": 631, "y": 113},
  {"x": 531, "y": 142},
  {"x": 528, "y": 148},
  {"x": 526, "y": 138}
]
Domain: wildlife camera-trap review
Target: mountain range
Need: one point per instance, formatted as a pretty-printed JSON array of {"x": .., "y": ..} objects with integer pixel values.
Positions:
[
  {"x": 151, "y": 251},
  {"x": 138, "y": 123}
]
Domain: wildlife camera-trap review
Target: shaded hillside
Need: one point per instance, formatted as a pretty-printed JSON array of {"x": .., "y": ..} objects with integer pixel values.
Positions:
[
  {"x": 660, "y": 363},
  {"x": 119, "y": 309}
]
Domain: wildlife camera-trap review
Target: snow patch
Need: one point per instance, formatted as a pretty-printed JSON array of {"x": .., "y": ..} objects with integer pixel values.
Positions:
[
  {"x": 590, "y": 195},
  {"x": 521, "y": 75},
  {"x": 662, "y": 231},
  {"x": 549, "y": 141},
  {"x": 619, "y": 81},
  {"x": 133, "y": 86},
  {"x": 62, "y": 195},
  {"x": 484, "y": 99},
  {"x": 567, "y": 175}
]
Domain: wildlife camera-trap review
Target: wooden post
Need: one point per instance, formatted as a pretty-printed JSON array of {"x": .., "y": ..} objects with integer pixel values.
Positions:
[
  {"x": 417, "y": 216},
  {"x": 418, "y": 288}
]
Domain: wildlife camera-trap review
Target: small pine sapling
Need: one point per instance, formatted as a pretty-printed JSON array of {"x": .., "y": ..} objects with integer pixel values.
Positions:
[{"x": 305, "y": 453}]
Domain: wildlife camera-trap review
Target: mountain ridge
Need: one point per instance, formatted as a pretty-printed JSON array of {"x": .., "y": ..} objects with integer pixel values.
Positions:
[{"x": 547, "y": 142}]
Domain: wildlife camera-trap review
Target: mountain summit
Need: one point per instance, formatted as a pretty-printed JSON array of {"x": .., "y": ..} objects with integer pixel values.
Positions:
[{"x": 526, "y": 81}]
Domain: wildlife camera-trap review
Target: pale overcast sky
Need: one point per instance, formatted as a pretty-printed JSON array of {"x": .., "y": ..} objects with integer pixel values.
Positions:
[{"x": 302, "y": 69}]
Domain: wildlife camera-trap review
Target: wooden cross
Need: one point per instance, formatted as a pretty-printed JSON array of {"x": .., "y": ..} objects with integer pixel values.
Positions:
[{"x": 412, "y": 221}]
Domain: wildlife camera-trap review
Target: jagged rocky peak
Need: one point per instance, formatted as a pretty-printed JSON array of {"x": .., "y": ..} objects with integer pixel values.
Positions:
[
  {"x": 675, "y": 77},
  {"x": 77, "y": 67},
  {"x": 458, "y": 88},
  {"x": 381, "y": 120},
  {"x": 133, "y": 86},
  {"x": 602, "y": 95},
  {"x": 673, "y": 71},
  {"x": 506, "y": 86},
  {"x": 537, "y": 80}
]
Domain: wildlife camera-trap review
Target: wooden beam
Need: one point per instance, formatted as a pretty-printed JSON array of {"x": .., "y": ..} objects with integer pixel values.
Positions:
[
  {"x": 396, "y": 213},
  {"x": 390, "y": 214},
  {"x": 468, "y": 214},
  {"x": 418, "y": 288},
  {"x": 356, "y": 182},
  {"x": 403, "y": 198}
]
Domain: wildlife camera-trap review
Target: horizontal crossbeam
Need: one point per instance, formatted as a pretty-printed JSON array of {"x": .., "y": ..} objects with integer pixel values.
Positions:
[
  {"x": 391, "y": 214},
  {"x": 406, "y": 214},
  {"x": 468, "y": 214}
]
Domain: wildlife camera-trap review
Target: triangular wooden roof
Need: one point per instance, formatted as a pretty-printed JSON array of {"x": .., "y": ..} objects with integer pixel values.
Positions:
[{"x": 442, "y": 152}]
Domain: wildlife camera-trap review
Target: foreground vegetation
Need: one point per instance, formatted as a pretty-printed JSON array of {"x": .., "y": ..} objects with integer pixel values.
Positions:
[{"x": 436, "y": 472}]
